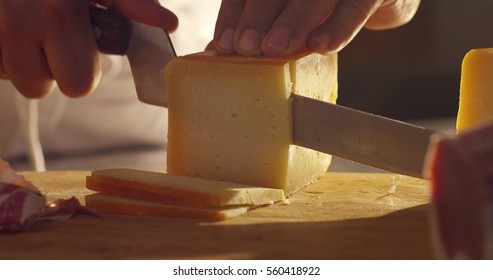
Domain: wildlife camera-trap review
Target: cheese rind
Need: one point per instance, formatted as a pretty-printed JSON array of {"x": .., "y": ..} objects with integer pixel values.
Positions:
[
  {"x": 476, "y": 89},
  {"x": 230, "y": 117}
]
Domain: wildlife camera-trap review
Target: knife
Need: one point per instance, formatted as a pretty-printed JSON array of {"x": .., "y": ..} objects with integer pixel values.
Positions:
[
  {"x": 358, "y": 136},
  {"x": 147, "y": 48}
]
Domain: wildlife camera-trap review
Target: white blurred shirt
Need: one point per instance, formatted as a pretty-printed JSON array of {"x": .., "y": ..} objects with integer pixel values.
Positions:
[{"x": 111, "y": 117}]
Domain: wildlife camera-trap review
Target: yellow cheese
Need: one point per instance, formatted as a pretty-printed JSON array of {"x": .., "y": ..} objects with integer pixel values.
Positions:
[
  {"x": 476, "y": 89},
  {"x": 103, "y": 203},
  {"x": 178, "y": 190},
  {"x": 230, "y": 117}
]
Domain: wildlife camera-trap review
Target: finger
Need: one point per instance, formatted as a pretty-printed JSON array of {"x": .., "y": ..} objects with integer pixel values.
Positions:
[
  {"x": 26, "y": 67},
  {"x": 226, "y": 24},
  {"x": 256, "y": 20},
  {"x": 287, "y": 35},
  {"x": 22, "y": 58},
  {"x": 71, "y": 51},
  {"x": 346, "y": 21},
  {"x": 393, "y": 13},
  {"x": 146, "y": 11}
]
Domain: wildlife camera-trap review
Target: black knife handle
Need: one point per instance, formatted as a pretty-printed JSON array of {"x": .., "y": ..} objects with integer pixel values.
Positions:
[{"x": 111, "y": 30}]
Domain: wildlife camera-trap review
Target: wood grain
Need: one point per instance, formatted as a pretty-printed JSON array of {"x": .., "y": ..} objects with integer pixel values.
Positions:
[{"x": 342, "y": 216}]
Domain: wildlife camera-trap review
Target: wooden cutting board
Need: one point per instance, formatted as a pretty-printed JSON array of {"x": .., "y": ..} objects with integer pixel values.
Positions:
[{"x": 342, "y": 216}]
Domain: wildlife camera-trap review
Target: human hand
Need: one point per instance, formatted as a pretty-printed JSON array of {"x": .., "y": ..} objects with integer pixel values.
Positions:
[
  {"x": 43, "y": 42},
  {"x": 284, "y": 27}
]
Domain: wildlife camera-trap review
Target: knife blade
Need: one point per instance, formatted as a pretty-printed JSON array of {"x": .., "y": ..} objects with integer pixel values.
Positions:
[
  {"x": 358, "y": 136},
  {"x": 147, "y": 48}
]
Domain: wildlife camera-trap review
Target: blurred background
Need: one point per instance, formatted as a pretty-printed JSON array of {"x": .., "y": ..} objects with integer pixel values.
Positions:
[{"x": 413, "y": 72}]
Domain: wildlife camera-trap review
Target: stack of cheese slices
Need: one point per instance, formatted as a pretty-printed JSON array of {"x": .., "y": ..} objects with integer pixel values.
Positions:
[{"x": 136, "y": 192}]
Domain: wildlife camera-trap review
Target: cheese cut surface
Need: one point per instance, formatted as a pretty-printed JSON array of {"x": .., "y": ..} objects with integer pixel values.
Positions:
[
  {"x": 103, "y": 203},
  {"x": 476, "y": 90},
  {"x": 179, "y": 190},
  {"x": 230, "y": 117}
]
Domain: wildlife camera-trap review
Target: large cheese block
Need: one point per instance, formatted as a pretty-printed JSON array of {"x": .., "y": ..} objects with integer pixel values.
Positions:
[
  {"x": 476, "y": 89},
  {"x": 230, "y": 117}
]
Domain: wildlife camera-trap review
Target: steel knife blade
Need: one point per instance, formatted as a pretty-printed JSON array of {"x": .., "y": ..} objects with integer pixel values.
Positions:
[
  {"x": 148, "y": 49},
  {"x": 358, "y": 136}
]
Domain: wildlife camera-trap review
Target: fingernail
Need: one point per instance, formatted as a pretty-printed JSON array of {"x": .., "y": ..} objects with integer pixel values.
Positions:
[
  {"x": 226, "y": 39},
  {"x": 319, "y": 42},
  {"x": 278, "y": 40},
  {"x": 249, "y": 40}
]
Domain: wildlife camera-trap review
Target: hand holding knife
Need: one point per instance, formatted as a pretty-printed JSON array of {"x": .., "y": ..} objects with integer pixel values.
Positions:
[{"x": 148, "y": 49}]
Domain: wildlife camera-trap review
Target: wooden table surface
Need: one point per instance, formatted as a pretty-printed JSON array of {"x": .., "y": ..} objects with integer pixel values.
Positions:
[{"x": 342, "y": 216}]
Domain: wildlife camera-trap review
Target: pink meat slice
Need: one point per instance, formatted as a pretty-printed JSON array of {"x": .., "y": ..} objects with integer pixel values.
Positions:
[{"x": 22, "y": 204}]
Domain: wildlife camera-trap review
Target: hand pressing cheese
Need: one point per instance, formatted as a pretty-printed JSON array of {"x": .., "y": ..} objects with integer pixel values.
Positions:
[{"x": 230, "y": 117}]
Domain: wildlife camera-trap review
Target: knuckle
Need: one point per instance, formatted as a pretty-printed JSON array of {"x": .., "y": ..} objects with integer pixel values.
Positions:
[
  {"x": 362, "y": 7},
  {"x": 229, "y": 15},
  {"x": 10, "y": 29},
  {"x": 232, "y": 8},
  {"x": 262, "y": 13},
  {"x": 62, "y": 14},
  {"x": 260, "y": 8}
]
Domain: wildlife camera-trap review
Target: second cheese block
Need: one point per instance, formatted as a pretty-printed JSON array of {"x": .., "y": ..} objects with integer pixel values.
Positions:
[
  {"x": 476, "y": 90},
  {"x": 230, "y": 117}
]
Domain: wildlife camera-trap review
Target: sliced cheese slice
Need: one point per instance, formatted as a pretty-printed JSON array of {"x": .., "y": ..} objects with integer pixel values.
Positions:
[
  {"x": 103, "y": 203},
  {"x": 179, "y": 190},
  {"x": 230, "y": 117},
  {"x": 476, "y": 89},
  {"x": 117, "y": 187}
]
